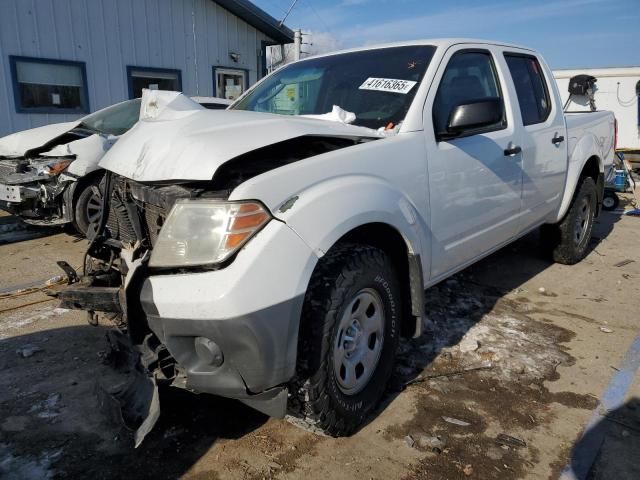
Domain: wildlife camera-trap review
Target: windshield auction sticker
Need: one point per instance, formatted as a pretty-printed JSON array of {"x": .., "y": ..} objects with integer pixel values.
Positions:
[{"x": 388, "y": 85}]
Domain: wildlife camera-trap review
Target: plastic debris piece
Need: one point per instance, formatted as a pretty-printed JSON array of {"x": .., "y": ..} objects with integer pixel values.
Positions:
[
  {"x": 606, "y": 330},
  {"x": 455, "y": 421},
  {"x": 337, "y": 114},
  {"x": 468, "y": 345},
  {"x": 27, "y": 351},
  {"x": 433, "y": 443},
  {"x": 409, "y": 441},
  {"x": 623, "y": 263},
  {"x": 504, "y": 439}
]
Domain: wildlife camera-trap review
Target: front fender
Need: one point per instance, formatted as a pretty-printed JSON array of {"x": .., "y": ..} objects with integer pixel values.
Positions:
[{"x": 326, "y": 211}]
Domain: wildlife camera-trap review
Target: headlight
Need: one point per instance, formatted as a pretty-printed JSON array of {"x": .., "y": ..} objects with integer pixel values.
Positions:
[
  {"x": 204, "y": 232},
  {"x": 56, "y": 167}
]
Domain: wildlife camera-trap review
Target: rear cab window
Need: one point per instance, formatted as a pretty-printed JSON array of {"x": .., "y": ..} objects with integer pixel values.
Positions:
[{"x": 531, "y": 87}]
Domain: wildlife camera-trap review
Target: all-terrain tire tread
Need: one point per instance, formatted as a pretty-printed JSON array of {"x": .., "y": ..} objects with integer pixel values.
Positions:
[
  {"x": 334, "y": 276},
  {"x": 558, "y": 238}
]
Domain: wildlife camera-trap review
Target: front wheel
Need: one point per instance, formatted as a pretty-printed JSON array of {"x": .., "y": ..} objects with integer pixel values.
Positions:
[
  {"x": 348, "y": 337},
  {"x": 87, "y": 206},
  {"x": 568, "y": 240}
]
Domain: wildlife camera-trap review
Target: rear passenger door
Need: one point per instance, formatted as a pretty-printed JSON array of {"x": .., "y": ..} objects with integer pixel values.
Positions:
[
  {"x": 474, "y": 178},
  {"x": 544, "y": 148}
]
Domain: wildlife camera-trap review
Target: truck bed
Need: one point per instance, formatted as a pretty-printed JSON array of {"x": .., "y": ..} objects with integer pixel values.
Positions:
[{"x": 599, "y": 123}]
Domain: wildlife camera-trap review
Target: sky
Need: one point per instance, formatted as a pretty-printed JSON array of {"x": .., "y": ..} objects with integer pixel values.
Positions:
[{"x": 569, "y": 33}]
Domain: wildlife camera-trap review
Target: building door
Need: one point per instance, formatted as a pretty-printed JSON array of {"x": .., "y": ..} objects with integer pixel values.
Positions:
[{"x": 230, "y": 83}]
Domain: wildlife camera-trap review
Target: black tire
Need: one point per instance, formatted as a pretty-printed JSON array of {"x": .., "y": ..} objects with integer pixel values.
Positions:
[
  {"x": 568, "y": 240},
  {"x": 85, "y": 205},
  {"x": 610, "y": 201},
  {"x": 344, "y": 276}
]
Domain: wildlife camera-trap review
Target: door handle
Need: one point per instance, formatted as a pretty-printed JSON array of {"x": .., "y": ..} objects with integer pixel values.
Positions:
[
  {"x": 510, "y": 152},
  {"x": 557, "y": 140}
]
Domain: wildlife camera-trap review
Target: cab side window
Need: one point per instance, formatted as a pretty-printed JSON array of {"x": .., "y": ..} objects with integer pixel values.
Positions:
[
  {"x": 531, "y": 88},
  {"x": 469, "y": 76}
]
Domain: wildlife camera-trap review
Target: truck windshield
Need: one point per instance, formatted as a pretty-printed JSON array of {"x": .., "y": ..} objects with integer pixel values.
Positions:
[
  {"x": 377, "y": 85},
  {"x": 114, "y": 120}
]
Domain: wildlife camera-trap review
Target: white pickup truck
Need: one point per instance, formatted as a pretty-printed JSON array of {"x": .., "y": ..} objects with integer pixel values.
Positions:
[{"x": 277, "y": 251}]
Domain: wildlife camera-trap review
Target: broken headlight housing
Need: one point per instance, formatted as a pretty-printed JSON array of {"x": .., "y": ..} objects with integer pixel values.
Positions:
[
  {"x": 56, "y": 167},
  {"x": 205, "y": 232}
]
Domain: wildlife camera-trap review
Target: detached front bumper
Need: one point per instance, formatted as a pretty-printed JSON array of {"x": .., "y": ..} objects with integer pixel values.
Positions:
[{"x": 233, "y": 332}]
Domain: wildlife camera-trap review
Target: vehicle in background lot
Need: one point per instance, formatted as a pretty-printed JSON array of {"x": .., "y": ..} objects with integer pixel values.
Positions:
[
  {"x": 49, "y": 175},
  {"x": 277, "y": 259}
]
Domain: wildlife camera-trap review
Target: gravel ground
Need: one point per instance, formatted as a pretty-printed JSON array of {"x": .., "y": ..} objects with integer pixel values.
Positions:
[{"x": 516, "y": 356}]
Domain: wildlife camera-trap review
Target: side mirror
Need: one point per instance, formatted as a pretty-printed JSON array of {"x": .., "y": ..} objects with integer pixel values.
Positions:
[{"x": 474, "y": 114}]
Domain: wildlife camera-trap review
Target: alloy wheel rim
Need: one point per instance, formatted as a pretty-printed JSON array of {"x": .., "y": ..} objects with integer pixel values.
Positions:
[
  {"x": 359, "y": 341},
  {"x": 93, "y": 209},
  {"x": 582, "y": 221}
]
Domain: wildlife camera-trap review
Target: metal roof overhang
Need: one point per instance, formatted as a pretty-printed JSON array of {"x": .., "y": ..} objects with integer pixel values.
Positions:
[{"x": 258, "y": 18}]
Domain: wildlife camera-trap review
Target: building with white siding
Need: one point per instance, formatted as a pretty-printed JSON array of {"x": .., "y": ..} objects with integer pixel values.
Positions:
[{"x": 61, "y": 59}]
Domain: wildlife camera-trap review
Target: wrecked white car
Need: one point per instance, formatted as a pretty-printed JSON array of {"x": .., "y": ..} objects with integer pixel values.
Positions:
[
  {"x": 49, "y": 175},
  {"x": 262, "y": 255}
]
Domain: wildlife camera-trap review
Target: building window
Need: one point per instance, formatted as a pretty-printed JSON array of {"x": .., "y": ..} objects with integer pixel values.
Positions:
[
  {"x": 42, "y": 85},
  {"x": 229, "y": 83},
  {"x": 153, "y": 79}
]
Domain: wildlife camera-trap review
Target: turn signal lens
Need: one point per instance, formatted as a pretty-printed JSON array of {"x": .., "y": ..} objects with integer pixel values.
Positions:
[{"x": 57, "y": 168}]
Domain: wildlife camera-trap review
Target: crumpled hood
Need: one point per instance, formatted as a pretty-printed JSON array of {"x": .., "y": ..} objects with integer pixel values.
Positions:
[
  {"x": 193, "y": 146},
  {"x": 16, "y": 144}
]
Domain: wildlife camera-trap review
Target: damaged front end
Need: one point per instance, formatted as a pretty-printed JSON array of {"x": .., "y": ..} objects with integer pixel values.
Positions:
[
  {"x": 109, "y": 289},
  {"x": 36, "y": 189}
]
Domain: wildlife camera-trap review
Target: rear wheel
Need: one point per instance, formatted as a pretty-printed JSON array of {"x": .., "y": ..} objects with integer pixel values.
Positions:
[
  {"x": 348, "y": 338},
  {"x": 87, "y": 207},
  {"x": 568, "y": 240}
]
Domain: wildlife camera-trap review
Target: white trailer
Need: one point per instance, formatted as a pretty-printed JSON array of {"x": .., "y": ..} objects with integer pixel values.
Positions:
[{"x": 617, "y": 90}]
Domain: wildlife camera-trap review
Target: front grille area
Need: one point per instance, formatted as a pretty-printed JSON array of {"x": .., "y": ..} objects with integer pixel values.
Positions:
[
  {"x": 154, "y": 219},
  {"x": 124, "y": 205}
]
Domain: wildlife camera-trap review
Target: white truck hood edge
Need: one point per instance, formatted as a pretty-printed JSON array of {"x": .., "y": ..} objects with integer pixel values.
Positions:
[
  {"x": 194, "y": 146},
  {"x": 16, "y": 144}
]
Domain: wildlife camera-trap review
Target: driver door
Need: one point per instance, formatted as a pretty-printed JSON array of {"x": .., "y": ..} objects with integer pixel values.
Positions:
[{"x": 475, "y": 179}]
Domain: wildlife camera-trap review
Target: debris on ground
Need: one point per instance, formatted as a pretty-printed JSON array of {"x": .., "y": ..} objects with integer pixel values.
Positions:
[
  {"x": 623, "y": 263},
  {"x": 434, "y": 443},
  {"x": 606, "y": 330},
  {"x": 467, "y": 470},
  {"x": 409, "y": 441},
  {"x": 47, "y": 408},
  {"x": 28, "y": 350},
  {"x": 462, "y": 371},
  {"x": 468, "y": 345},
  {"x": 504, "y": 439},
  {"x": 456, "y": 421}
]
